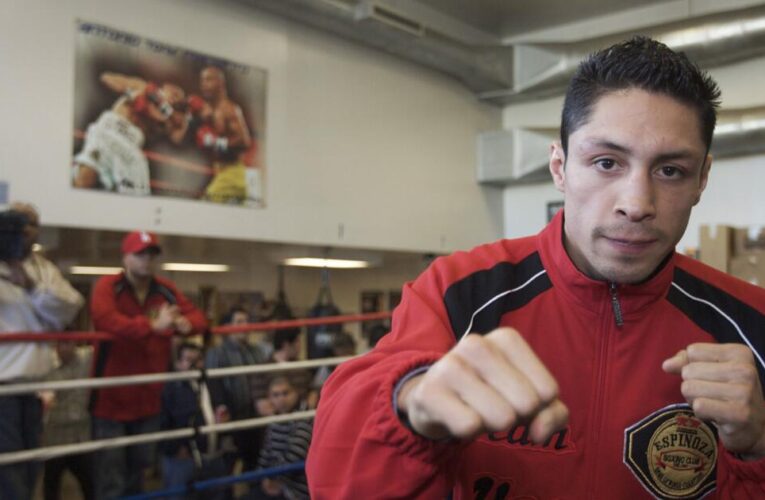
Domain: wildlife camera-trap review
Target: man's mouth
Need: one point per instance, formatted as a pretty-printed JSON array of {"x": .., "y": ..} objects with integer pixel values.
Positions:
[{"x": 631, "y": 244}]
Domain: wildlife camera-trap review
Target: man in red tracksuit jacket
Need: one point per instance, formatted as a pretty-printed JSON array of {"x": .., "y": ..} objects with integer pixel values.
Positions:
[
  {"x": 143, "y": 311},
  {"x": 589, "y": 361}
]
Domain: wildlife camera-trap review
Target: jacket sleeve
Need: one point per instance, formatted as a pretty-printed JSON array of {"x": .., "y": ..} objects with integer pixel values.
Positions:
[
  {"x": 739, "y": 479},
  {"x": 215, "y": 386},
  {"x": 107, "y": 318},
  {"x": 167, "y": 422},
  {"x": 55, "y": 301},
  {"x": 298, "y": 442},
  {"x": 360, "y": 448},
  {"x": 194, "y": 315},
  {"x": 266, "y": 456}
]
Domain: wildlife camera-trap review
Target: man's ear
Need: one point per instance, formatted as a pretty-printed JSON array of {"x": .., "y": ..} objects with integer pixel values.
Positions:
[
  {"x": 703, "y": 178},
  {"x": 558, "y": 165}
]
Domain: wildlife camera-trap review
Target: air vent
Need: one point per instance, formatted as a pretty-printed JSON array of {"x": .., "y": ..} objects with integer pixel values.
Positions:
[{"x": 389, "y": 17}]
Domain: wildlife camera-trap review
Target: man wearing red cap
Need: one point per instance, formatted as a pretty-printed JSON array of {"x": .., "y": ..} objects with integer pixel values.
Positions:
[{"x": 143, "y": 311}]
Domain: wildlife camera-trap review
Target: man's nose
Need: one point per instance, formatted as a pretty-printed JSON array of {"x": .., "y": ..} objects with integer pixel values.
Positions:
[{"x": 636, "y": 199}]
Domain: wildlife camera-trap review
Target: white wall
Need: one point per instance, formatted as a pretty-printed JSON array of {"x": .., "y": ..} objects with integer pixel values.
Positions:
[
  {"x": 355, "y": 137},
  {"x": 734, "y": 194}
]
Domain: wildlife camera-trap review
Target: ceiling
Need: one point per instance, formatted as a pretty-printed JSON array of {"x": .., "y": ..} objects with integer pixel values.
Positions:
[
  {"x": 512, "y": 51},
  {"x": 508, "y": 18}
]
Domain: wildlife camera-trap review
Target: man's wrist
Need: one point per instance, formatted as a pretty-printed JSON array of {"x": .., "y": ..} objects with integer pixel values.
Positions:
[
  {"x": 757, "y": 452},
  {"x": 402, "y": 389}
]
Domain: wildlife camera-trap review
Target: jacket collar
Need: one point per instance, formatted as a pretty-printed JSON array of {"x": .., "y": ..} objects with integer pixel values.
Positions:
[
  {"x": 123, "y": 283},
  {"x": 594, "y": 294}
]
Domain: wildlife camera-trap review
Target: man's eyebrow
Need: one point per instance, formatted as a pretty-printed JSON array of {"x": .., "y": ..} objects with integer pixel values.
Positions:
[
  {"x": 604, "y": 143},
  {"x": 668, "y": 156},
  {"x": 681, "y": 154}
]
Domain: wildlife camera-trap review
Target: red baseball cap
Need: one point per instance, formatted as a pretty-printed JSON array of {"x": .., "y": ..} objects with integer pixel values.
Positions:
[{"x": 138, "y": 241}]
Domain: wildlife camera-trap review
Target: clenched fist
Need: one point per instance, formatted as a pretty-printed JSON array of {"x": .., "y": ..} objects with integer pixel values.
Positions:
[
  {"x": 721, "y": 383},
  {"x": 484, "y": 384}
]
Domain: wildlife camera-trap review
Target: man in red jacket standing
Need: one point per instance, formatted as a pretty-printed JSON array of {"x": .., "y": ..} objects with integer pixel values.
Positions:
[
  {"x": 588, "y": 361},
  {"x": 143, "y": 311}
]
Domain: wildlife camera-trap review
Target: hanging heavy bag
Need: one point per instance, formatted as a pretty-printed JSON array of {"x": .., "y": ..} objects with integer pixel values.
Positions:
[
  {"x": 321, "y": 338},
  {"x": 282, "y": 310}
]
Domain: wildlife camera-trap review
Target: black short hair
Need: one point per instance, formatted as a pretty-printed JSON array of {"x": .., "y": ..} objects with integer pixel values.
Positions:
[
  {"x": 645, "y": 64},
  {"x": 280, "y": 379},
  {"x": 229, "y": 316},
  {"x": 183, "y": 346},
  {"x": 285, "y": 336},
  {"x": 343, "y": 341}
]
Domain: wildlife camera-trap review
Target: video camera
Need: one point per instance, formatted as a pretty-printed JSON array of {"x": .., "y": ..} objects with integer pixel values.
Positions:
[{"x": 12, "y": 235}]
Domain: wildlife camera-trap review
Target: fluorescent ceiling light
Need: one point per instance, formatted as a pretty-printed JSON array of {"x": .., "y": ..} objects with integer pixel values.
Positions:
[
  {"x": 742, "y": 126},
  {"x": 710, "y": 33},
  {"x": 196, "y": 268},
  {"x": 97, "y": 270},
  {"x": 330, "y": 263}
]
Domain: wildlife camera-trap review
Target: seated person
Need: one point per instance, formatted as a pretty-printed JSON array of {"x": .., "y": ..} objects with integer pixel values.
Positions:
[
  {"x": 286, "y": 443},
  {"x": 68, "y": 422},
  {"x": 186, "y": 403},
  {"x": 287, "y": 348},
  {"x": 236, "y": 393},
  {"x": 342, "y": 345}
]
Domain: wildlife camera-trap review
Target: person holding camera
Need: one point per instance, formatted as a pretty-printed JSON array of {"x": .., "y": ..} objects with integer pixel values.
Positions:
[{"x": 34, "y": 297}]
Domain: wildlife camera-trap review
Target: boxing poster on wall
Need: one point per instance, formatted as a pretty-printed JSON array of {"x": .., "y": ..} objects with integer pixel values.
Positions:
[{"x": 152, "y": 119}]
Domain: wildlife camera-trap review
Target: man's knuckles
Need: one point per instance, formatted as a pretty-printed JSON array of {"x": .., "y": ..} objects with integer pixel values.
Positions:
[
  {"x": 473, "y": 348},
  {"x": 744, "y": 372},
  {"x": 526, "y": 402},
  {"x": 464, "y": 425},
  {"x": 719, "y": 352}
]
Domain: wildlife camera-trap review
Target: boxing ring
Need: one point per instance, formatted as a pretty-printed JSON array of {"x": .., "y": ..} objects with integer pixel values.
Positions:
[{"x": 49, "y": 452}]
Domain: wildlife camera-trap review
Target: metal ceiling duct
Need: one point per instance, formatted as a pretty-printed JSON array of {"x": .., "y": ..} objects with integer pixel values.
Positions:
[
  {"x": 501, "y": 74},
  {"x": 543, "y": 71},
  {"x": 481, "y": 69},
  {"x": 740, "y": 132}
]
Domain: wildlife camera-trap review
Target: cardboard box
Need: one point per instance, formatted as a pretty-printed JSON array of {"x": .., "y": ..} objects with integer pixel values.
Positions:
[
  {"x": 748, "y": 241},
  {"x": 749, "y": 268},
  {"x": 716, "y": 246}
]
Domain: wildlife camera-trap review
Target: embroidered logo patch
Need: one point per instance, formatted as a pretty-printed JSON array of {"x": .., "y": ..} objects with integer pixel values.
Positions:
[{"x": 673, "y": 453}]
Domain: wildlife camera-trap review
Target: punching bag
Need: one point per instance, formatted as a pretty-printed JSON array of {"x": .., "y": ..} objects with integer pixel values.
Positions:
[
  {"x": 321, "y": 338},
  {"x": 282, "y": 310}
]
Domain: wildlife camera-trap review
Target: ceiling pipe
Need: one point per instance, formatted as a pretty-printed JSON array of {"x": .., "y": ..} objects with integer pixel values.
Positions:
[
  {"x": 543, "y": 71},
  {"x": 373, "y": 24},
  {"x": 502, "y": 75}
]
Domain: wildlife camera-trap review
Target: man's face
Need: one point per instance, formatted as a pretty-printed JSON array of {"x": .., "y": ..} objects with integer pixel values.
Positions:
[
  {"x": 142, "y": 264},
  {"x": 633, "y": 173},
  {"x": 283, "y": 397},
  {"x": 293, "y": 349},
  {"x": 240, "y": 318},
  {"x": 210, "y": 82},
  {"x": 31, "y": 228},
  {"x": 173, "y": 94},
  {"x": 189, "y": 359}
]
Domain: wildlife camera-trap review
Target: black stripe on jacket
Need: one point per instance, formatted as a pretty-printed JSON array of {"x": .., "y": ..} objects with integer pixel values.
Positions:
[
  {"x": 713, "y": 321},
  {"x": 464, "y": 297}
]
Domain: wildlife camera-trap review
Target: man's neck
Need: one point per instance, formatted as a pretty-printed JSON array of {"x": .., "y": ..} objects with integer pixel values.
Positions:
[
  {"x": 218, "y": 98},
  {"x": 139, "y": 283}
]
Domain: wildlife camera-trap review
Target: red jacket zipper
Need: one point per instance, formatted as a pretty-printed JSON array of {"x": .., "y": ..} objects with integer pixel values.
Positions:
[{"x": 600, "y": 388}]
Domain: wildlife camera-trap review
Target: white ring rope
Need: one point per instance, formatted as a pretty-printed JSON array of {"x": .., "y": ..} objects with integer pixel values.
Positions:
[
  {"x": 49, "y": 452},
  {"x": 151, "y": 378}
]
